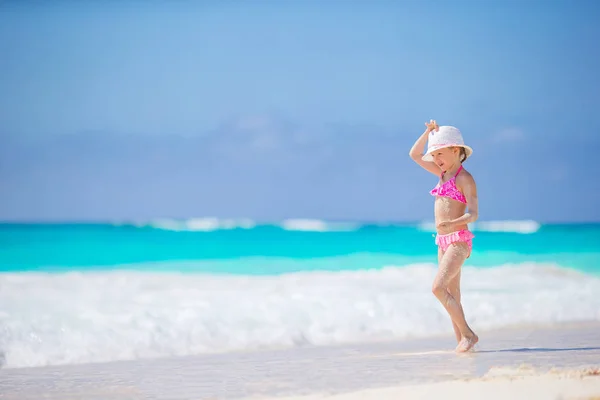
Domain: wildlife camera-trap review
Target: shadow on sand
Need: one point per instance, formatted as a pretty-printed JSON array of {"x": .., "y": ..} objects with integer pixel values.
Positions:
[{"x": 538, "y": 350}]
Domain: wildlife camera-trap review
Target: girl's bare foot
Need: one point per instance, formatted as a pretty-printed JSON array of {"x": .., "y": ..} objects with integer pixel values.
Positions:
[{"x": 467, "y": 343}]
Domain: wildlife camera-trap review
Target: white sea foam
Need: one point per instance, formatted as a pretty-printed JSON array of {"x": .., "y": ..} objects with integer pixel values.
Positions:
[
  {"x": 427, "y": 226},
  {"x": 77, "y": 318},
  {"x": 199, "y": 224},
  {"x": 208, "y": 224},
  {"x": 525, "y": 226},
  {"x": 317, "y": 225}
]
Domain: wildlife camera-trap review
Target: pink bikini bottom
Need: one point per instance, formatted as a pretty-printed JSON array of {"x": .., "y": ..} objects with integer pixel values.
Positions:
[{"x": 464, "y": 235}]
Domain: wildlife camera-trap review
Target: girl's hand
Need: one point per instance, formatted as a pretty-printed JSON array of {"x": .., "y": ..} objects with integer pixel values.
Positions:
[
  {"x": 444, "y": 225},
  {"x": 432, "y": 125}
]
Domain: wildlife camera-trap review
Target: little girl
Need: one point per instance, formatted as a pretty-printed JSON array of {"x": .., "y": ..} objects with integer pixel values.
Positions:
[{"x": 456, "y": 189}]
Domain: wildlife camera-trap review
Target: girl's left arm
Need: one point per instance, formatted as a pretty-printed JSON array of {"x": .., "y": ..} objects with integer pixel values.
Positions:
[{"x": 467, "y": 184}]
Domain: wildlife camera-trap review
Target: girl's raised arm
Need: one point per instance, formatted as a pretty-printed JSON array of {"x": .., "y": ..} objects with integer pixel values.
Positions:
[{"x": 416, "y": 152}]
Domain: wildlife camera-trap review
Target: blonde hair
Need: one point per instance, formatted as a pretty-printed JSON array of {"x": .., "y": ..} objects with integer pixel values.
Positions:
[{"x": 462, "y": 154}]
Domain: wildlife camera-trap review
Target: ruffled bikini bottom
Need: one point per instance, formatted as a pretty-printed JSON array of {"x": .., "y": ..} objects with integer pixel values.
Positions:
[{"x": 464, "y": 235}]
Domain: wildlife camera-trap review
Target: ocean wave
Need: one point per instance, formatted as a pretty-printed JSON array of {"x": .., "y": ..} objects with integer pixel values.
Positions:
[
  {"x": 525, "y": 226},
  {"x": 207, "y": 224},
  {"x": 70, "y": 318},
  {"x": 508, "y": 226},
  {"x": 317, "y": 225}
]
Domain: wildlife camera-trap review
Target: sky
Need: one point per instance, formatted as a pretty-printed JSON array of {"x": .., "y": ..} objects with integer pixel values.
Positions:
[{"x": 298, "y": 109}]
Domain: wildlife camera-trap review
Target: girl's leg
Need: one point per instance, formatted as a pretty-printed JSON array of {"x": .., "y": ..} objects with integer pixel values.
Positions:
[
  {"x": 454, "y": 289},
  {"x": 449, "y": 268}
]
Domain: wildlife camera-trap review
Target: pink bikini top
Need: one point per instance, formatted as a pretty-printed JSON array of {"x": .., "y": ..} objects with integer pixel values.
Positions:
[{"x": 449, "y": 189}]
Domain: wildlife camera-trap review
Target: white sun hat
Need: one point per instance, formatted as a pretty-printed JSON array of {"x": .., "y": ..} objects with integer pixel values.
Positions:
[{"x": 446, "y": 136}]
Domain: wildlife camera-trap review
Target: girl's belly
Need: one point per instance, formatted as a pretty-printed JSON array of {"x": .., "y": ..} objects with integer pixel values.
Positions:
[{"x": 446, "y": 209}]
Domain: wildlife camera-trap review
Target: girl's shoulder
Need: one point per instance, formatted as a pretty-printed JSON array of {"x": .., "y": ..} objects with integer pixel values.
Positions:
[{"x": 464, "y": 177}]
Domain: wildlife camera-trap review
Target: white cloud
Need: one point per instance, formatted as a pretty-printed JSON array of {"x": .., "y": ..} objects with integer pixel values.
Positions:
[{"x": 265, "y": 133}]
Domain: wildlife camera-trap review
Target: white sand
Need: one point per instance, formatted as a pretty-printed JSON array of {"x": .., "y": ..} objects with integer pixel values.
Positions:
[
  {"x": 522, "y": 363},
  {"x": 515, "y": 385}
]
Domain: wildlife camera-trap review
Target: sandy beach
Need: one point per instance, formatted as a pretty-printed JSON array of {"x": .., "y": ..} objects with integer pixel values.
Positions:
[
  {"x": 557, "y": 385},
  {"x": 558, "y": 362}
]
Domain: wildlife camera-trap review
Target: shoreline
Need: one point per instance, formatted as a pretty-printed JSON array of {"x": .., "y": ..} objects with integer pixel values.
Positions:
[
  {"x": 517, "y": 330},
  {"x": 377, "y": 370}
]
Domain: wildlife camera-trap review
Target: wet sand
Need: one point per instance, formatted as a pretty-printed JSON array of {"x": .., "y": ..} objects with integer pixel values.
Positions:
[{"x": 559, "y": 362}]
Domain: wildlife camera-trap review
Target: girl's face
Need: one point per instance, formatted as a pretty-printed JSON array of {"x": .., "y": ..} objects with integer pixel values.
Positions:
[{"x": 446, "y": 157}]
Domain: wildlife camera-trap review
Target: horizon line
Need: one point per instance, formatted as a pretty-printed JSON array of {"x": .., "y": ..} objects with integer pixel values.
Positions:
[{"x": 126, "y": 221}]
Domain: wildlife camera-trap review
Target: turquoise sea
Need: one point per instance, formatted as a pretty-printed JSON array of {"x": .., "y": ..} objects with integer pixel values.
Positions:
[
  {"x": 88, "y": 292},
  {"x": 249, "y": 248}
]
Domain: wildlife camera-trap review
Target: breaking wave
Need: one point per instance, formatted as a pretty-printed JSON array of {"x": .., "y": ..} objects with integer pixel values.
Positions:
[{"x": 75, "y": 317}]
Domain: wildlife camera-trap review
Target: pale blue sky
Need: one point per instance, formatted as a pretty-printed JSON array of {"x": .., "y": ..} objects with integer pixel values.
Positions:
[{"x": 272, "y": 110}]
